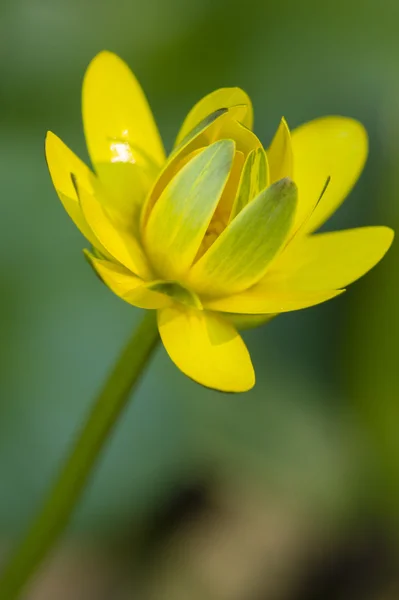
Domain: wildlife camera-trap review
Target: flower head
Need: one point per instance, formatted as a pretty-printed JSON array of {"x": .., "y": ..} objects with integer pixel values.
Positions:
[{"x": 217, "y": 236}]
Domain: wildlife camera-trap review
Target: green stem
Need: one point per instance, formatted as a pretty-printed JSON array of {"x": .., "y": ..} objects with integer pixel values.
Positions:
[{"x": 54, "y": 516}]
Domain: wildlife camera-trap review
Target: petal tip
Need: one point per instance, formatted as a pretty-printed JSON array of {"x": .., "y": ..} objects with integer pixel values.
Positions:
[
  {"x": 390, "y": 234},
  {"x": 51, "y": 140},
  {"x": 104, "y": 55},
  {"x": 284, "y": 187},
  {"x": 246, "y": 386}
]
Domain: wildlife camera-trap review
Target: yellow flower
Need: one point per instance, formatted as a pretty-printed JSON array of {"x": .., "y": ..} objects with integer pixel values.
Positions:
[{"x": 216, "y": 236}]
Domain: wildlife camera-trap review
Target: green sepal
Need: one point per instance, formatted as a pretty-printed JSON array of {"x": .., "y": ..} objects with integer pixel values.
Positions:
[{"x": 176, "y": 291}]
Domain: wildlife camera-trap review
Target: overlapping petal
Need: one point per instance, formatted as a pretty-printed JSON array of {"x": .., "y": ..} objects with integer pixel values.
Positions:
[
  {"x": 280, "y": 154},
  {"x": 245, "y": 139},
  {"x": 217, "y": 236},
  {"x": 115, "y": 110},
  {"x": 331, "y": 147},
  {"x": 119, "y": 243},
  {"x": 310, "y": 271},
  {"x": 63, "y": 163},
  {"x": 219, "y": 99},
  {"x": 126, "y": 285},
  {"x": 224, "y": 207},
  {"x": 241, "y": 254},
  {"x": 328, "y": 260},
  {"x": 206, "y": 348},
  {"x": 123, "y": 187},
  {"x": 122, "y": 137},
  {"x": 182, "y": 214},
  {"x": 261, "y": 300},
  {"x": 204, "y": 134},
  {"x": 254, "y": 178}
]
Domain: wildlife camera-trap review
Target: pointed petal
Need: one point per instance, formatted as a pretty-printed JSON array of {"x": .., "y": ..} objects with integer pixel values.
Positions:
[
  {"x": 207, "y": 349},
  {"x": 223, "y": 98},
  {"x": 258, "y": 300},
  {"x": 208, "y": 131},
  {"x": 204, "y": 132},
  {"x": 241, "y": 254},
  {"x": 280, "y": 155},
  {"x": 121, "y": 244},
  {"x": 116, "y": 111},
  {"x": 224, "y": 207},
  {"x": 333, "y": 147},
  {"x": 181, "y": 216},
  {"x": 245, "y": 139},
  {"x": 254, "y": 179},
  {"x": 62, "y": 162},
  {"x": 306, "y": 272},
  {"x": 126, "y": 285},
  {"x": 224, "y": 123},
  {"x": 329, "y": 260}
]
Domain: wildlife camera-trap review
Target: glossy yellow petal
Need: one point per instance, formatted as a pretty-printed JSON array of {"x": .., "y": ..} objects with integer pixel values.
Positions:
[
  {"x": 254, "y": 179},
  {"x": 205, "y": 132},
  {"x": 123, "y": 187},
  {"x": 329, "y": 260},
  {"x": 126, "y": 285},
  {"x": 116, "y": 114},
  {"x": 63, "y": 163},
  {"x": 333, "y": 147},
  {"x": 207, "y": 349},
  {"x": 224, "y": 208},
  {"x": 244, "y": 138},
  {"x": 280, "y": 155},
  {"x": 241, "y": 254},
  {"x": 220, "y": 125},
  {"x": 259, "y": 300},
  {"x": 223, "y": 98},
  {"x": 181, "y": 216},
  {"x": 119, "y": 243}
]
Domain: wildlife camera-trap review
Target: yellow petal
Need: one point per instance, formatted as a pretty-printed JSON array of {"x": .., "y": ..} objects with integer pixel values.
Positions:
[
  {"x": 116, "y": 111},
  {"x": 62, "y": 162},
  {"x": 257, "y": 301},
  {"x": 241, "y": 254},
  {"x": 223, "y": 98},
  {"x": 123, "y": 187},
  {"x": 205, "y": 132},
  {"x": 232, "y": 129},
  {"x": 280, "y": 155},
  {"x": 224, "y": 207},
  {"x": 213, "y": 128},
  {"x": 333, "y": 147},
  {"x": 328, "y": 260},
  {"x": 254, "y": 179},
  {"x": 119, "y": 243},
  {"x": 181, "y": 216},
  {"x": 207, "y": 349},
  {"x": 126, "y": 285}
]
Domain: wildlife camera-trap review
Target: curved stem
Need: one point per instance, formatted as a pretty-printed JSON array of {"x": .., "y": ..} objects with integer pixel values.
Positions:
[{"x": 54, "y": 516}]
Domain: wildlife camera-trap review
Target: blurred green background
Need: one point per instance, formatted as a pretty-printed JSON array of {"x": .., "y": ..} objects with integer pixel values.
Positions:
[{"x": 321, "y": 426}]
